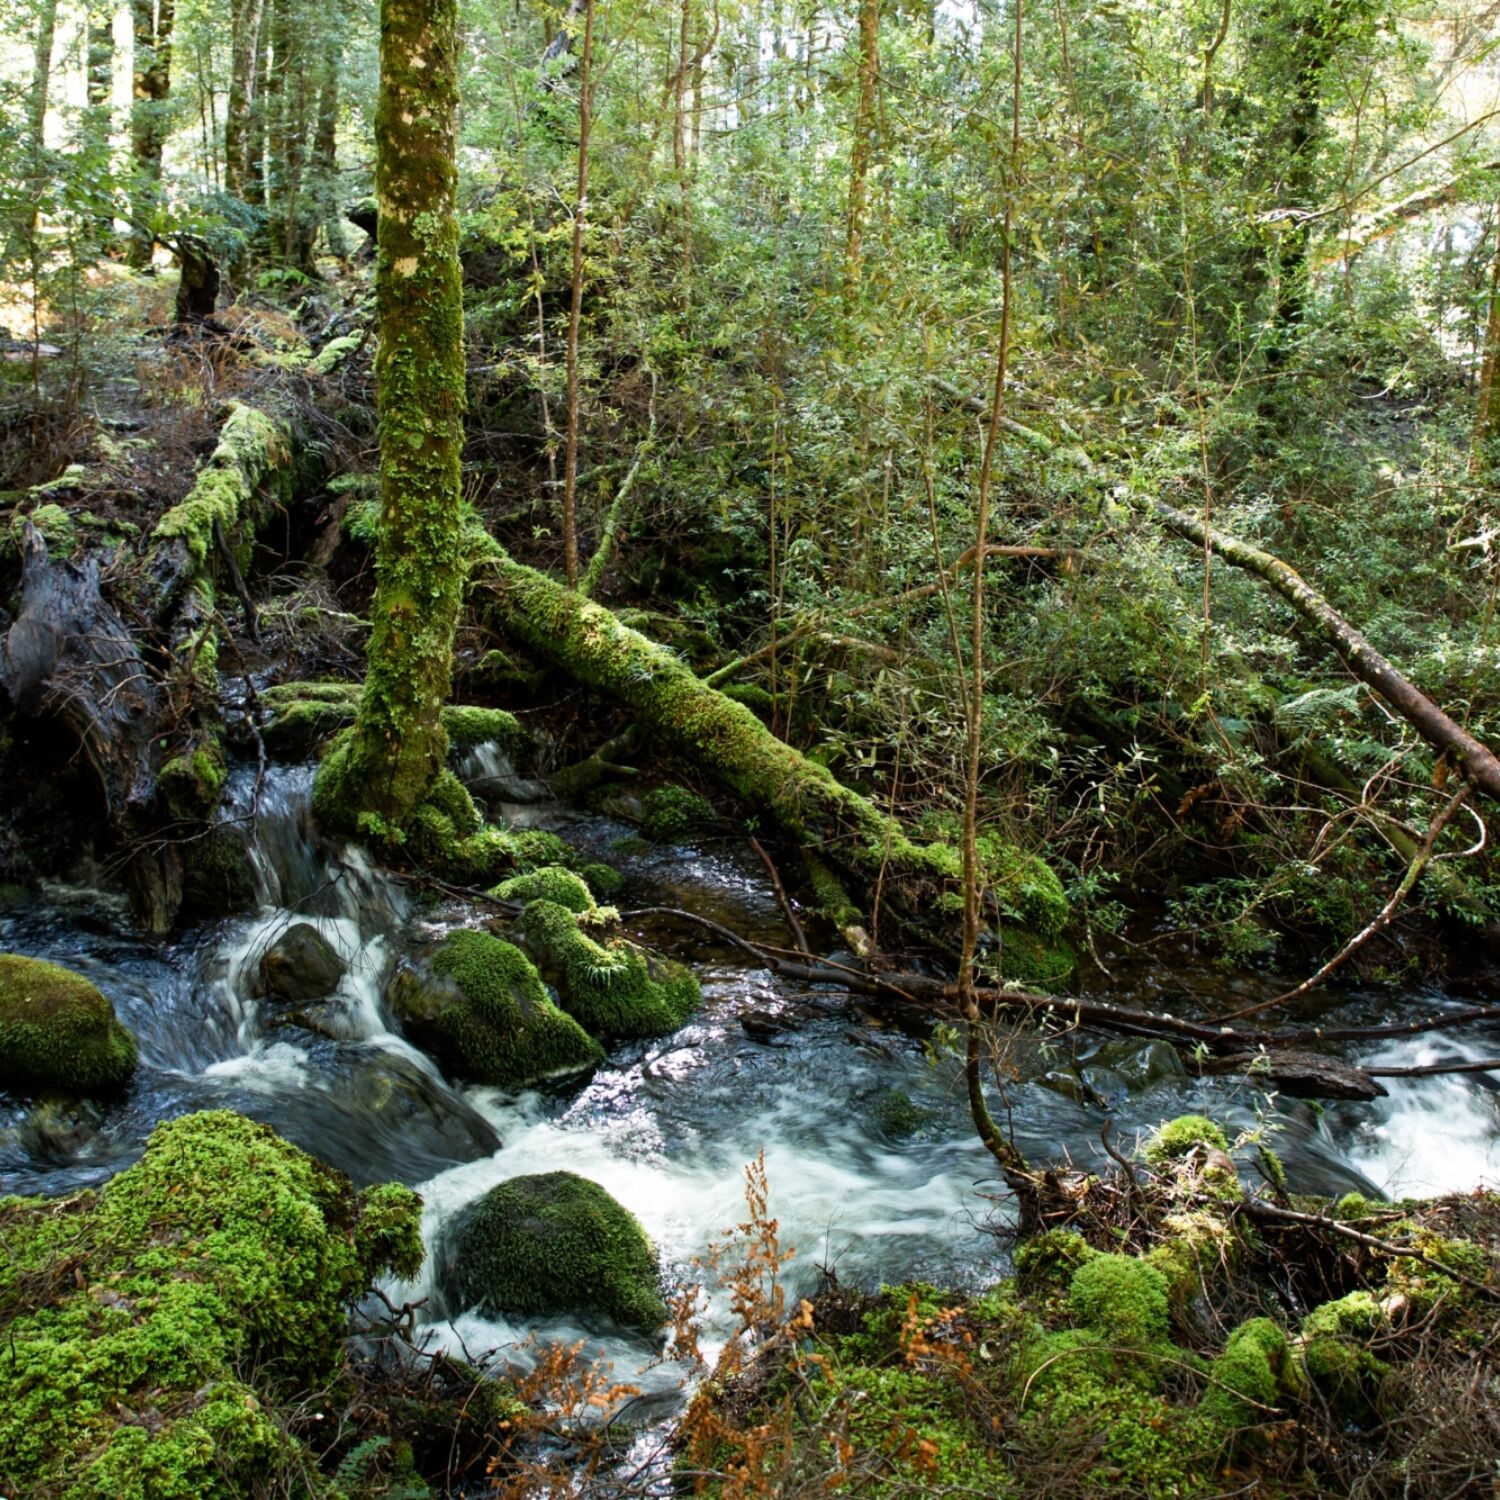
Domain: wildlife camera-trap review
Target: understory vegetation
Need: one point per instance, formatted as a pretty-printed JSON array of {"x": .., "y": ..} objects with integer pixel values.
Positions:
[{"x": 1025, "y": 469}]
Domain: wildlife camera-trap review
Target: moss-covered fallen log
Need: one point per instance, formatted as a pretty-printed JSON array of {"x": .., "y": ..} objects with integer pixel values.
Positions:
[
  {"x": 725, "y": 740},
  {"x": 1442, "y": 732}
]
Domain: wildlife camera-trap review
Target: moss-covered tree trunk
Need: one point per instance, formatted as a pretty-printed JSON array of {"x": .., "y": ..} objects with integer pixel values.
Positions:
[{"x": 397, "y": 745}]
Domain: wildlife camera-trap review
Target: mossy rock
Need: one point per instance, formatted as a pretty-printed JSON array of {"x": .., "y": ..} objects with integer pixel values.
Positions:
[
  {"x": 550, "y": 883},
  {"x": 1029, "y": 959},
  {"x": 57, "y": 1030},
  {"x": 300, "y": 965},
  {"x": 670, "y": 813},
  {"x": 218, "y": 877},
  {"x": 469, "y": 725},
  {"x": 190, "y": 783},
  {"x": 156, "y": 1329},
  {"x": 612, "y": 988},
  {"x": 304, "y": 714},
  {"x": 484, "y": 1014},
  {"x": 1254, "y": 1369},
  {"x": 553, "y": 1243},
  {"x": 604, "y": 881},
  {"x": 1121, "y": 1298},
  {"x": 897, "y": 1116}
]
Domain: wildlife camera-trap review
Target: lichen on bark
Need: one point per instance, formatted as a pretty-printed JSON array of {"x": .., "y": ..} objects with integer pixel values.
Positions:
[{"x": 398, "y": 743}]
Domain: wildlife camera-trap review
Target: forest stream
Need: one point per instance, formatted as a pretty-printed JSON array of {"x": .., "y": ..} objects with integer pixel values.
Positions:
[{"x": 880, "y": 1177}]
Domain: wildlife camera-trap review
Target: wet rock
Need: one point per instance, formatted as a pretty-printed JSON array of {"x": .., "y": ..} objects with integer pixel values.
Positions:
[
  {"x": 481, "y": 1010},
  {"x": 300, "y": 965},
  {"x": 59, "y": 1127},
  {"x": 218, "y": 878},
  {"x": 57, "y": 1030},
  {"x": 1135, "y": 1064},
  {"x": 324, "y": 1018},
  {"x": 552, "y": 1243},
  {"x": 897, "y": 1116}
]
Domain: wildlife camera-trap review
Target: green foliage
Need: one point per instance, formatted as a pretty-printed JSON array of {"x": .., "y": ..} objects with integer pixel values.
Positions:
[
  {"x": 553, "y": 1243},
  {"x": 57, "y": 1030}
]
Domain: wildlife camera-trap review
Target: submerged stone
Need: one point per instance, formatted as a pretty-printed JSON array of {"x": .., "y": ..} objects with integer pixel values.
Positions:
[
  {"x": 57, "y": 1030},
  {"x": 553, "y": 1243},
  {"x": 300, "y": 965}
]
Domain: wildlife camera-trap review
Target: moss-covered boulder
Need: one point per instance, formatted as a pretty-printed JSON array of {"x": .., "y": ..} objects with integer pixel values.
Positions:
[
  {"x": 482, "y": 1011},
  {"x": 57, "y": 1030},
  {"x": 552, "y": 1243},
  {"x": 670, "y": 813},
  {"x": 611, "y": 987},
  {"x": 550, "y": 883},
  {"x": 152, "y": 1330},
  {"x": 300, "y": 965}
]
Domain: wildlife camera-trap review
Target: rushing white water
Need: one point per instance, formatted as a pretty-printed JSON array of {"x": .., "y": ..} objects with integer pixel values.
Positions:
[{"x": 668, "y": 1127}]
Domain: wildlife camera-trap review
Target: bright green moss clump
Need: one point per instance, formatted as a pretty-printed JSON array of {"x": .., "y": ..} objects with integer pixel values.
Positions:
[
  {"x": 485, "y": 1015},
  {"x": 1255, "y": 1367},
  {"x": 150, "y": 1330},
  {"x": 1178, "y": 1137},
  {"x": 469, "y": 726},
  {"x": 553, "y": 1243},
  {"x": 612, "y": 988},
  {"x": 550, "y": 883},
  {"x": 1120, "y": 1298},
  {"x": 57, "y": 1030},
  {"x": 669, "y": 813}
]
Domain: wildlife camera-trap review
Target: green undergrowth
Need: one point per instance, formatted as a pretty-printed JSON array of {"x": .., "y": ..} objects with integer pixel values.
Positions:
[
  {"x": 1151, "y": 1342},
  {"x": 158, "y": 1332}
]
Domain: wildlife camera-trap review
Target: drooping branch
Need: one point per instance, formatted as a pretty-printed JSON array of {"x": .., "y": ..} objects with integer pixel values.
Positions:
[{"x": 1364, "y": 661}]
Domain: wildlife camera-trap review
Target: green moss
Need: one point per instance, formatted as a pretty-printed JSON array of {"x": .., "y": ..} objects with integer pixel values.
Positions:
[
  {"x": 604, "y": 881},
  {"x": 58, "y": 1030},
  {"x": 153, "y": 1329},
  {"x": 1035, "y": 961},
  {"x": 1178, "y": 1137},
  {"x": 612, "y": 988},
  {"x": 468, "y": 726},
  {"x": 303, "y": 714},
  {"x": 670, "y": 813},
  {"x": 218, "y": 877},
  {"x": 190, "y": 783},
  {"x": 829, "y": 895},
  {"x": 897, "y": 1116},
  {"x": 231, "y": 485},
  {"x": 1197, "y": 1250},
  {"x": 550, "y": 883},
  {"x": 58, "y": 529},
  {"x": 333, "y": 354},
  {"x": 494, "y": 1022},
  {"x": 1121, "y": 1298},
  {"x": 1253, "y": 1370},
  {"x": 553, "y": 1243},
  {"x": 1045, "y": 1262}
]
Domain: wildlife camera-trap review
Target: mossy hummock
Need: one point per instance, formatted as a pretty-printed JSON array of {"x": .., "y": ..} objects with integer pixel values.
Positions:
[
  {"x": 57, "y": 1030},
  {"x": 612, "y": 988},
  {"x": 484, "y": 1013},
  {"x": 152, "y": 1330},
  {"x": 553, "y": 1243}
]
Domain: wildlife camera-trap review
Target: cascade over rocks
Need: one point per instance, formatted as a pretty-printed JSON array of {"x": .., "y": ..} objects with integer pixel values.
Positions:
[{"x": 300, "y": 965}]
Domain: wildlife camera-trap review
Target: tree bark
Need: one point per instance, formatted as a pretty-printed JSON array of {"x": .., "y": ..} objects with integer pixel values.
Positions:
[
  {"x": 153, "y": 21},
  {"x": 36, "y": 115},
  {"x": 575, "y": 310},
  {"x": 863, "y": 147},
  {"x": 244, "y": 52},
  {"x": 381, "y": 773},
  {"x": 1486, "y": 408},
  {"x": 1363, "y": 660}
]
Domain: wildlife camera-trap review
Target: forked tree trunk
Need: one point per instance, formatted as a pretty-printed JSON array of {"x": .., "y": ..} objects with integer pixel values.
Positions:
[{"x": 381, "y": 773}]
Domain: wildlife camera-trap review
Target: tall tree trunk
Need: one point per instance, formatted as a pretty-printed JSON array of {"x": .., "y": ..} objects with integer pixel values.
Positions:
[
  {"x": 244, "y": 52},
  {"x": 325, "y": 165},
  {"x": 378, "y": 776},
  {"x": 256, "y": 112},
  {"x": 36, "y": 112},
  {"x": 1482, "y": 445},
  {"x": 864, "y": 145},
  {"x": 575, "y": 311},
  {"x": 98, "y": 117},
  {"x": 153, "y": 20}
]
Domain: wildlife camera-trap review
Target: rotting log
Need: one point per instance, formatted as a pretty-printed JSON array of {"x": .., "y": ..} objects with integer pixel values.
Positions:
[
  {"x": 726, "y": 740},
  {"x": 141, "y": 699},
  {"x": 1363, "y": 660}
]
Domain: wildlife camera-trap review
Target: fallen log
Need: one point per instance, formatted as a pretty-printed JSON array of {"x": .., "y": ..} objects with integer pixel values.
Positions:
[
  {"x": 1303, "y": 1075},
  {"x": 725, "y": 740},
  {"x": 1364, "y": 661}
]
